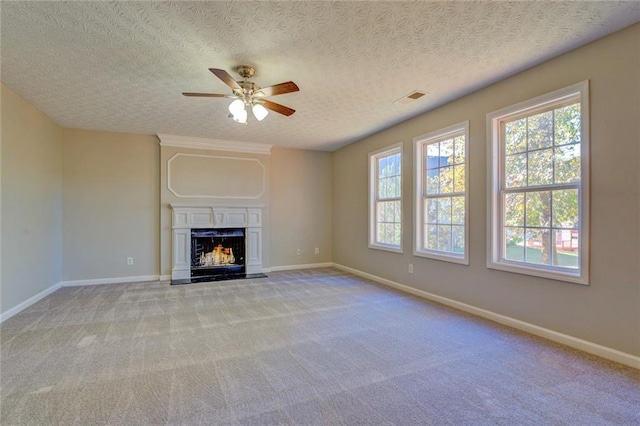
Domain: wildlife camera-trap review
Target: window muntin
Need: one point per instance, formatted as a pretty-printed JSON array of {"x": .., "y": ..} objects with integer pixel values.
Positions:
[
  {"x": 539, "y": 197},
  {"x": 441, "y": 194},
  {"x": 385, "y": 221}
]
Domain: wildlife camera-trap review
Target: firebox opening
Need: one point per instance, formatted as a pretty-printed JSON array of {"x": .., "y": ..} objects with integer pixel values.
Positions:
[{"x": 217, "y": 252}]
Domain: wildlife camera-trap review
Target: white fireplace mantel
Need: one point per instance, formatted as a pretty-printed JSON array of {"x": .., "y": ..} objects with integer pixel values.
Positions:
[{"x": 186, "y": 217}]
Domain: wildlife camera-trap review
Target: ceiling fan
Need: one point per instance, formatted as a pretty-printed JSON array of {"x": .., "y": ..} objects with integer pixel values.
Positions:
[{"x": 248, "y": 94}]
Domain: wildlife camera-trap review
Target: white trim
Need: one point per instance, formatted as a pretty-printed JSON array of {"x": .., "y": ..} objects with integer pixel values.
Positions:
[
  {"x": 30, "y": 301},
  {"x": 373, "y": 185},
  {"x": 419, "y": 142},
  {"x": 565, "y": 339},
  {"x": 164, "y": 277},
  {"x": 234, "y": 197},
  {"x": 294, "y": 267},
  {"x": 117, "y": 280},
  {"x": 494, "y": 176},
  {"x": 214, "y": 144},
  {"x": 217, "y": 205}
]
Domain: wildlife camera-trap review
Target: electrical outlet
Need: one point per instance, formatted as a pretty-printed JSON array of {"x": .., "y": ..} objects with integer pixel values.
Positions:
[
  {"x": 299, "y": 252},
  {"x": 129, "y": 260},
  {"x": 317, "y": 250},
  {"x": 411, "y": 268}
]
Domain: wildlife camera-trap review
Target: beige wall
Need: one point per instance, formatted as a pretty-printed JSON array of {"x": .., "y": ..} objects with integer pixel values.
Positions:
[
  {"x": 608, "y": 311},
  {"x": 300, "y": 206},
  {"x": 111, "y": 201},
  {"x": 31, "y": 201}
]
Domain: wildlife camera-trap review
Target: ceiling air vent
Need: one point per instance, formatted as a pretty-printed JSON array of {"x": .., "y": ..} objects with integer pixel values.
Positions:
[{"x": 413, "y": 96}]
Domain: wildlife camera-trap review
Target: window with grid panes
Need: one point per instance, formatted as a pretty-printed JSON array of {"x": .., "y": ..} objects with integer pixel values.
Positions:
[
  {"x": 539, "y": 204},
  {"x": 441, "y": 194},
  {"x": 385, "y": 201}
]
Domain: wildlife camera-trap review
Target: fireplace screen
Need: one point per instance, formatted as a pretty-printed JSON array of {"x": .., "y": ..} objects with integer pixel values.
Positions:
[{"x": 217, "y": 252}]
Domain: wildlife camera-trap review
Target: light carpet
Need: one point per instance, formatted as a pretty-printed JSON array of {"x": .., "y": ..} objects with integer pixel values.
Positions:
[{"x": 310, "y": 347}]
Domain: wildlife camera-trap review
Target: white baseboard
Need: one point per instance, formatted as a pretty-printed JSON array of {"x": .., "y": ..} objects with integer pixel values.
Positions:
[
  {"x": 118, "y": 280},
  {"x": 294, "y": 267},
  {"x": 574, "y": 342},
  {"x": 30, "y": 301},
  {"x": 165, "y": 277}
]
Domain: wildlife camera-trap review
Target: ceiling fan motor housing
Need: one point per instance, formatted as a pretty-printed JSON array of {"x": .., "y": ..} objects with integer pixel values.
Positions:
[
  {"x": 249, "y": 88},
  {"x": 246, "y": 71}
]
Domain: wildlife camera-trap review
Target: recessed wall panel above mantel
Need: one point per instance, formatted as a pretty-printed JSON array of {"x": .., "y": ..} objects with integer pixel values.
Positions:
[{"x": 210, "y": 176}]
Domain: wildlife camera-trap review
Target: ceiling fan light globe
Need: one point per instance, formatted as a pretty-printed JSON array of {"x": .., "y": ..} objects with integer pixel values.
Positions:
[
  {"x": 259, "y": 112},
  {"x": 241, "y": 116},
  {"x": 237, "y": 107}
]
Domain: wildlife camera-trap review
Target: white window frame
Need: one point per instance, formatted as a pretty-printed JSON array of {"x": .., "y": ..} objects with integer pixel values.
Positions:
[
  {"x": 420, "y": 142},
  {"x": 373, "y": 197},
  {"x": 496, "y": 159}
]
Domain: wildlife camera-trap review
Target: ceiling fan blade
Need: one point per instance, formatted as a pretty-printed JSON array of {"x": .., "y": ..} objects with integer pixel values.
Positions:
[
  {"x": 281, "y": 109},
  {"x": 226, "y": 78},
  {"x": 278, "y": 89},
  {"x": 205, "y": 95}
]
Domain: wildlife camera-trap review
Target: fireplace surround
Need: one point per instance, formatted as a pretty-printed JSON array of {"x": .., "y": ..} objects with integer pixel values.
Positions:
[{"x": 215, "y": 222}]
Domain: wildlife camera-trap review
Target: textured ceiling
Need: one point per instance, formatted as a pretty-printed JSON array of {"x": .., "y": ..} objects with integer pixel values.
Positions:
[{"x": 122, "y": 66}]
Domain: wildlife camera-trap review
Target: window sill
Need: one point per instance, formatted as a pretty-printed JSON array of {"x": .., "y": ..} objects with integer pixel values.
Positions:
[
  {"x": 392, "y": 249},
  {"x": 577, "y": 278},
  {"x": 442, "y": 256}
]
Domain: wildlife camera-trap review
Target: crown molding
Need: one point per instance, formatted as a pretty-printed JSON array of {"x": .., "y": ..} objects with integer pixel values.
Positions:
[{"x": 215, "y": 144}]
